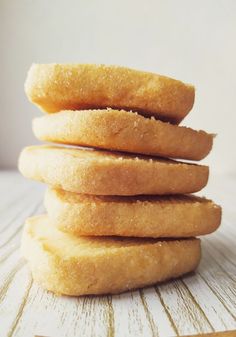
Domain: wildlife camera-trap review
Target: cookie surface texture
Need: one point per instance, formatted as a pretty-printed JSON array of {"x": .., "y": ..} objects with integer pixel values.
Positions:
[
  {"x": 141, "y": 216},
  {"x": 105, "y": 173},
  {"x": 71, "y": 265},
  {"x": 56, "y": 87},
  {"x": 121, "y": 130}
]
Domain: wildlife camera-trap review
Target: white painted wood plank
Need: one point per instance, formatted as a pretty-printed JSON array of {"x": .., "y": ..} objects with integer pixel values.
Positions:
[
  {"x": 219, "y": 282},
  {"x": 188, "y": 318},
  {"x": 160, "y": 320},
  {"x": 12, "y": 303},
  {"x": 216, "y": 313},
  {"x": 7, "y": 270},
  {"x": 222, "y": 252},
  {"x": 10, "y": 242},
  {"x": 24, "y": 202},
  {"x": 93, "y": 316},
  {"x": 46, "y": 314},
  {"x": 130, "y": 316}
]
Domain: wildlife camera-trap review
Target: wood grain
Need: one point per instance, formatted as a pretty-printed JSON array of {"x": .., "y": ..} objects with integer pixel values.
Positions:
[
  {"x": 198, "y": 303},
  {"x": 231, "y": 333}
]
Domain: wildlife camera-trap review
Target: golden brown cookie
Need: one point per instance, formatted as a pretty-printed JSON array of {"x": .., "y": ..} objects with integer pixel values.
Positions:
[
  {"x": 140, "y": 216},
  {"x": 107, "y": 173},
  {"x": 123, "y": 131},
  {"x": 66, "y": 264},
  {"x": 56, "y": 87}
]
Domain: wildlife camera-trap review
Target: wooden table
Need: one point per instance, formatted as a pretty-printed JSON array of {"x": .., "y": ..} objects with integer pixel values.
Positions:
[{"x": 204, "y": 301}]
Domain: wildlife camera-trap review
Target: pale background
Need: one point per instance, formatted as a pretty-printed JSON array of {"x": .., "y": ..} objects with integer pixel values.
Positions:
[{"x": 194, "y": 41}]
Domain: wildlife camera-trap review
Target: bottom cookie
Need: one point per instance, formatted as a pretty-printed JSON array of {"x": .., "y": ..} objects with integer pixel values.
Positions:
[{"x": 70, "y": 265}]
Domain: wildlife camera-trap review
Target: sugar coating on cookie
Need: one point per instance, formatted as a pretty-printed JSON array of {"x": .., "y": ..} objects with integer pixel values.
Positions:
[
  {"x": 66, "y": 264},
  {"x": 140, "y": 216},
  {"x": 121, "y": 130},
  {"x": 109, "y": 173},
  {"x": 56, "y": 87}
]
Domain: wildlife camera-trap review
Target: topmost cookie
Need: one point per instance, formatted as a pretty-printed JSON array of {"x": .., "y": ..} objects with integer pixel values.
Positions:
[{"x": 55, "y": 87}]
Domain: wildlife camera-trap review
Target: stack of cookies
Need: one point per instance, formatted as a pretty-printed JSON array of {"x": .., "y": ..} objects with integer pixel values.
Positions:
[{"x": 119, "y": 211}]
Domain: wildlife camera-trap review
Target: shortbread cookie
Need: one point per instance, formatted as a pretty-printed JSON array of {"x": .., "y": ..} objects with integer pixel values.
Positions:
[
  {"x": 56, "y": 87},
  {"x": 66, "y": 264},
  {"x": 107, "y": 173},
  {"x": 141, "y": 216},
  {"x": 123, "y": 131}
]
